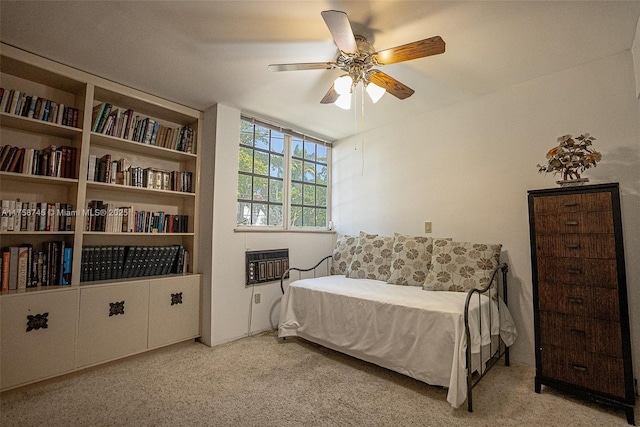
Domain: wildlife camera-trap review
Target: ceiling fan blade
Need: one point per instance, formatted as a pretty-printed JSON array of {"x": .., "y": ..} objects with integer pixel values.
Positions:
[
  {"x": 420, "y": 49},
  {"x": 302, "y": 66},
  {"x": 392, "y": 86},
  {"x": 330, "y": 96},
  {"x": 340, "y": 28}
]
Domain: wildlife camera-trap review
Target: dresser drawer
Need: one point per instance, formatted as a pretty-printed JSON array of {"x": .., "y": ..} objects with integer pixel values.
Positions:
[
  {"x": 573, "y": 203},
  {"x": 593, "y": 371},
  {"x": 580, "y": 333},
  {"x": 578, "y": 271},
  {"x": 576, "y": 222},
  {"x": 576, "y": 245},
  {"x": 567, "y": 299}
]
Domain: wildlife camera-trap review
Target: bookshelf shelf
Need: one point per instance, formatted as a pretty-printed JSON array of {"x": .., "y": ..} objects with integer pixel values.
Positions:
[
  {"x": 75, "y": 303},
  {"x": 39, "y": 126},
  {"x": 107, "y": 141}
]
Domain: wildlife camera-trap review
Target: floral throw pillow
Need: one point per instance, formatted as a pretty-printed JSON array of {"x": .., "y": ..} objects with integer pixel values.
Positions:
[
  {"x": 410, "y": 259},
  {"x": 372, "y": 258},
  {"x": 343, "y": 254},
  {"x": 461, "y": 266}
]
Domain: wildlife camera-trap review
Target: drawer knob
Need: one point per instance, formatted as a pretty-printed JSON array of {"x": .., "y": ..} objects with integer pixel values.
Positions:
[
  {"x": 579, "y": 368},
  {"x": 116, "y": 308},
  {"x": 576, "y": 300},
  {"x": 37, "y": 321},
  {"x": 574, "y": 271},
  {"x": 573, "y": 245},
  {"x": 571, "y": 223},
  {"x": 176, "y": 298}
]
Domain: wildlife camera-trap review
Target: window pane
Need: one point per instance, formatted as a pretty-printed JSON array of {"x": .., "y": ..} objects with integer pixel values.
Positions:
[
  {"x": 296, "y": 216},
  {"x": 321, "y": 196},
  {"x": 277, "y": 142},
  {"x": 322, "y": 154},
  {"x": 261, "y": 163},
  {"x": 297, "y": 148},
  {"x": 309, "y": 151},
  {"x": 321, "y": 174},
  {"x": 309, "y": 172},
  {"x": 296, "y": 194},
  {"x": 259, "y": 214},
  {"x": 260, "y": 189},
  {"x": 309, "y": 195},
  {"x": 296, "y": 170},
  {"x": 321, "y": 217},
  {"x": 262, "y": 138},
  {"x": 309, "y": 217},
  {"x": 245, "y": 189},
  {"x": 275, "y": 215},
  {"x": 277, "y": 166},
  {"x": 246, "y": 133},
  {"x": 243, "y": 213},
  {"x": 275, "y": 190},
  {"x": 245, "y": 160}
]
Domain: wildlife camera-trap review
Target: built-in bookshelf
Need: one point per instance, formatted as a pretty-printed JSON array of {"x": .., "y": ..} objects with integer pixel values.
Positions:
[{"x": 99, "y": 191}]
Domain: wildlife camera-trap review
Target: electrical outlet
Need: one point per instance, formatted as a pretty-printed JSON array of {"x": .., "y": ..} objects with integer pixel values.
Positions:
[
  {"x": 427, "y": 227},
  {"x": 256, "y": 298}
]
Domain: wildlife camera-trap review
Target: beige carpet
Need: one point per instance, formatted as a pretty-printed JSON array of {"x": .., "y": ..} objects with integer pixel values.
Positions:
[{"x": 263, "y": 381}]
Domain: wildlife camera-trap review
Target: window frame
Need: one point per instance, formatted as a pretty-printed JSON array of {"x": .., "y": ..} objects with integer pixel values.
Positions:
[{"x": 287, "y": 180}]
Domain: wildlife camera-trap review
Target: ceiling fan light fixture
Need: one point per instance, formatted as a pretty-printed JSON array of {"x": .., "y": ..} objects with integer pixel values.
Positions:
[
  {"x": 344, "y": 101},
  {"x": 343, "y": 84},
  {"x": 375, "y": 92}
]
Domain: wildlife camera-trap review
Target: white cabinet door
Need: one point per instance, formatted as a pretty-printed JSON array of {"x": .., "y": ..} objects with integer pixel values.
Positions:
[
  {"x": 174, "y": 309},
  {"x": 113, "y": 322},
  {"x": 37, "y": 335}
]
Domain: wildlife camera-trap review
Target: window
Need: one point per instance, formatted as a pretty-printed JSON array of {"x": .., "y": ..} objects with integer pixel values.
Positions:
[{"x": 281, "y": 174}]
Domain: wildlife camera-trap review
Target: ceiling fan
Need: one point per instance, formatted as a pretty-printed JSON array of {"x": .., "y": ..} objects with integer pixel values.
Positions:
[{"x": 358, "y": 58}]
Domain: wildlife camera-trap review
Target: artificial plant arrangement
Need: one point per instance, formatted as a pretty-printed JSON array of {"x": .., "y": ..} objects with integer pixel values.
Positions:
[{"x": 571, "y": 157}]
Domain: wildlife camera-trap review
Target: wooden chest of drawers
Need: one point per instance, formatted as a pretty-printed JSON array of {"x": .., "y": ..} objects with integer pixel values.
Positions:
[{"x": 582, "y": 338}]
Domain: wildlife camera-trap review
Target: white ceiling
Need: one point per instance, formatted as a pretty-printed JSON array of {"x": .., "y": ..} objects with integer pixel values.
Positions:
[{"x": 207, "y": 52}]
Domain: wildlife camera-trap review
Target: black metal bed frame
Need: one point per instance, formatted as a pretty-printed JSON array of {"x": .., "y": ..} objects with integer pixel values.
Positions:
[{"x": 473, "y": 377}]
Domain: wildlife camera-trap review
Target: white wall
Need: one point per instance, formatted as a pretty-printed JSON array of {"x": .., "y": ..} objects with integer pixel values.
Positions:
[
  {"x": 467, "y": 168},
  {"x": 228, "y": 305},
  {"x": 636, "y": 57}
]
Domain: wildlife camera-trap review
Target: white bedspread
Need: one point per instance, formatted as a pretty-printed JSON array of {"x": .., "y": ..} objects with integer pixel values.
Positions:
[{"x": 403, "y": 328}]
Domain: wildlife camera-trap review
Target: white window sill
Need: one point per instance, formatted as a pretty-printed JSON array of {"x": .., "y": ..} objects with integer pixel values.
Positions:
[{"x": 270, "y": 229}]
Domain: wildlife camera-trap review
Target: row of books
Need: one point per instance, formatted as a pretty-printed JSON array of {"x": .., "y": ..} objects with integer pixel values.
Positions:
[
  {"x": 108, "y": 262},
  {"x": 35, "y": 216},
  {"x": 25, "y": 267},
  {"x": 111, "y": 218},
  {"x": 34, "y": 107},
  {"x": 105, "y": 169},
  {"x": 53, "y": 161},
  {"x": 126, "y": 124}
]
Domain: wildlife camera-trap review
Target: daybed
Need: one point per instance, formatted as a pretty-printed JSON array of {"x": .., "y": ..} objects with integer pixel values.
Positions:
[{"x": 415, "y": 321}]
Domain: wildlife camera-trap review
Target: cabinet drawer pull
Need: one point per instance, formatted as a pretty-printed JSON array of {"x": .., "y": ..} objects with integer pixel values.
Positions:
[
  {"x": 116, "y": 308},
  {"x": 576, "y": 300},
  {"x": 37, "y": 321},
  {"x": 577, "y": 331},
  {"x": 573, "y": 245},
  {"x": 176, "y": 298},
  {"x": 571, "y": 204},
  {"x": 574, "y": 271},
  {"x": 579, "y": 368},
  {"x": 571, "y": 223}
]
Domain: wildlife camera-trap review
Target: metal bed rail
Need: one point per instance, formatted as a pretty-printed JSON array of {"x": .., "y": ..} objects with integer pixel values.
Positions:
[
  {"x": 502, "y": 349},
  {"x": 301, "y": 270}
]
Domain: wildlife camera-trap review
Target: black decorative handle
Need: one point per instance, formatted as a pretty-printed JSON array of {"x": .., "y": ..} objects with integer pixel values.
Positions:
[
  {"x": 576, "y": 300},
  {"x": 571, "y": 204},
  {"x": 574, "y": 271},
  {"x": 116, "y": 308},
  {"x": 573, "y": 245},
  {"x": 579, "y": 368},
  {"x": 37, "y": 321},
  {"x": 176, "y": 298}
]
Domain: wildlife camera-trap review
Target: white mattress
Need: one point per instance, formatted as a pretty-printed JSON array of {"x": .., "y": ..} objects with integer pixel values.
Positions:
[{"x": 403, "y": 328}]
